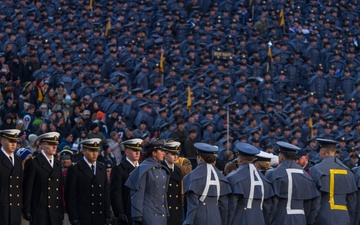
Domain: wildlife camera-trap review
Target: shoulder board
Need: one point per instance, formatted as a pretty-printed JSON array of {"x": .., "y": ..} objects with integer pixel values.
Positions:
[
  {"x": 73, "y": 163},
  {"x": 101, "y": 163},
  {"x": 33, "y": 157}
]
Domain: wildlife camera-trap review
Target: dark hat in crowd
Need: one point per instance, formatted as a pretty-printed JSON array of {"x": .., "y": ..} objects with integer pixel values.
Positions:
[
  {"x": 23, "y": 132},
  {"x": 300, "y": 154},
  {"x": 165, "y": 126},
  {"x": 7, "y": 98},
  {"x": 137, "y": 90},
  {"x": 155, "y": 145},
  {"x": 66, "y": 154},
  {"x": 341, "y": 138},
  {"x": 193, "y": 129},
  {"x": 108, "y": 164},
  {"x": 94, "y": 125}
]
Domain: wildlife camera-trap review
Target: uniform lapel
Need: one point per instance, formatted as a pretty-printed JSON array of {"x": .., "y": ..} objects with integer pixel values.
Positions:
[
  {"x": 56, "y": 168},
  {"x": 176, "y": 175},
  {"x": 127, "y": 166},
  {"x": 99, "y": 171},
  {"x": 17, "y": 161},
  {"x": 84, "y": 167},
  {"x": 5, "y": 161},
  {"x": 166, "y": 165},
  {"x": 44, "y": 163}
]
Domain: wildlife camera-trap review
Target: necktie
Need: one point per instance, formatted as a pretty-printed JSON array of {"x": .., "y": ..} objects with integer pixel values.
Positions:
[
  {"x": 93, "y": 169},
  {"x": 50, "y": 162},
  {"x": 11, "y": 160}
]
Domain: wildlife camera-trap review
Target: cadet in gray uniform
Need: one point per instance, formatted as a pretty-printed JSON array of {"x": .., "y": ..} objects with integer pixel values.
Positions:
[
  {"x": 337, "y": 186},
  {"x": 356, "y": 171},
  {"x": 148, "y": 185},
  {"x": 206, "y": 190},
  {"x": 296, "y": 197},
  {"x": 251, "y": 200}
]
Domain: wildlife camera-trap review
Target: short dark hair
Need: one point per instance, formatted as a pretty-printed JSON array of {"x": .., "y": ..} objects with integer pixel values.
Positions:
[
  {"x": 247, "y": 158},
  {"x": 289, "y": 155},
  {"x": 208, "y": 158}
]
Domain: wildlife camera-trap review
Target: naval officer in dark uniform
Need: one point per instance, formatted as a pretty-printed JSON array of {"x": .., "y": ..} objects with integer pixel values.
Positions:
[
  {"x": 119, "y": 193},
  {"x": 87, "y": 189},
  {"x": 251, "y": 199},
  {"x": 296, "y": 197},
  {"x": 206, "y": 190},
  {"x": 149, "y": 184},
  {"x": 10, "y": 179},
  {"x": 172, "y": 149},
  {"x": 42, "y": 179},
  {"x": 337, "y": 186}
]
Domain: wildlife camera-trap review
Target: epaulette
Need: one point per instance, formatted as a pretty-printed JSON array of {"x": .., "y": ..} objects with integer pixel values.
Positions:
[
  {"x": 74, "y": 163},
  {"x": 101, "y": 163}
]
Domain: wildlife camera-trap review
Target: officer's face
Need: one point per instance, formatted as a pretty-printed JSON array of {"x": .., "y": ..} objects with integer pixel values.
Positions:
[
  {"x": 9, "y": 146},
  {"x": 66, "y": 163},
  {"x": 158, "y": 155},
  {"x": 91, "y": 155},
  {"x": 171, "y": 157},
  {"x": 132, "y": 155},
  {"x": 49, "y": 149},
  {"x": 302, "y": 161}
]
